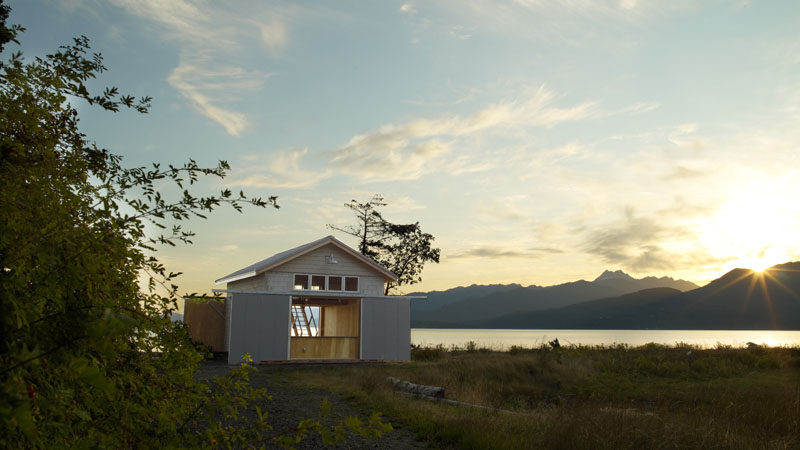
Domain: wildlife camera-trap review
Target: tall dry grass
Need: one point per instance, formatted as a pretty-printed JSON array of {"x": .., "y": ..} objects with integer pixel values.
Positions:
[{"x": 588, "y": 397}]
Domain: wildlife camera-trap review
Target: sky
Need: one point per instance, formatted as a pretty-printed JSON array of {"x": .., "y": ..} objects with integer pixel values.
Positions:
[{"x": 539, "y": 142}]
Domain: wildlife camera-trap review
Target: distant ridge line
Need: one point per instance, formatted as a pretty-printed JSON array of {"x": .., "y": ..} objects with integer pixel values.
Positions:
[{"x": 741, "y": 299}]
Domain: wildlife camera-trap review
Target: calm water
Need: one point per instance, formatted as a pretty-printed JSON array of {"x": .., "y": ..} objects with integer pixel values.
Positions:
[{"x": 502, "y": 339}]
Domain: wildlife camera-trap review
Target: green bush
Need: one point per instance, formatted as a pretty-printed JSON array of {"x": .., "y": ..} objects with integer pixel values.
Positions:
[{"x": 428, "y": 353}]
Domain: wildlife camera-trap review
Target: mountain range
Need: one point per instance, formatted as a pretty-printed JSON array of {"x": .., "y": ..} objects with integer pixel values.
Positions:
[{"x": 740, "y": 299}]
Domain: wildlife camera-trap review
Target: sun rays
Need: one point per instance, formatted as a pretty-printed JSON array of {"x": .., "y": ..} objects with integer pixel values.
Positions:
[
  {"x": 760, "y": 287},
  {"x": 753, "y": 228}
]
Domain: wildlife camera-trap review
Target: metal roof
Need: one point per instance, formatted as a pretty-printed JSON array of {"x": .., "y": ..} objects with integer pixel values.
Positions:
[
  {"x": 315, "y": 294},
  {"x": 288, "y": 255}
]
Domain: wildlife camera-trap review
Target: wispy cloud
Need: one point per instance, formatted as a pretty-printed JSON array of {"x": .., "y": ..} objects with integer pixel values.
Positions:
[
  {"x": 286, "y": 169},
  {"x": 207, "y": 88},
  {"x": 682, "y": 136},
  {"x": 460, "y": 32},
  {"x": 274, "y": 35},
  {"x": 408, "y": 8},
  {"x": 639, "y": 108},
  {"x": 682, "y": 172},
  {"x": 318, "y": 211},
  {"x": 396, "y": 204},
  {"x": 574, "y": 22},
  {"x": 491, "y": 252},
  {"x": 420, "y": 146},
  {"x": 181, "y": 17},
  {"x": 510, "y": 208},
  {"x": 643, "y": 244},
  {"x": 213, "y": 73}
]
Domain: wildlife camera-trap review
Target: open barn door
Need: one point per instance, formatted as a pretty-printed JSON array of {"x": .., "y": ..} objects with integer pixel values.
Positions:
[{"x": 325, "y": 328}]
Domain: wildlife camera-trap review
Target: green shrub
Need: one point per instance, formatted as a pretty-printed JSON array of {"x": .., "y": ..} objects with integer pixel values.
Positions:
[
  {"x": 471, "y": 346},
  {"x": 428, "y": 353}
]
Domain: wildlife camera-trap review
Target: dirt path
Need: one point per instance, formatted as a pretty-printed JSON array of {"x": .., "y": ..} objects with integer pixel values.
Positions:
[{"x": 290, "y": 404}]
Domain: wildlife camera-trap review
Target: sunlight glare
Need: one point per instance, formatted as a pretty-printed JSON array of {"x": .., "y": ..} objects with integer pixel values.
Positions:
[
  {"x": 769, "y": 342},
  {"x": 752, "y": 228}
]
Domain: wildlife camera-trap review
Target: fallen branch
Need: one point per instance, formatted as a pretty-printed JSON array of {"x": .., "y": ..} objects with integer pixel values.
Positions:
[
  {"x": 417, "y": 389},
  {"x": 435, "y": 394}
]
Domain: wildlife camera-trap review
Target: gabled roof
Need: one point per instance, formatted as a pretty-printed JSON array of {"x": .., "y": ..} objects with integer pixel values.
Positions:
[{"x": 288, "y": 255}]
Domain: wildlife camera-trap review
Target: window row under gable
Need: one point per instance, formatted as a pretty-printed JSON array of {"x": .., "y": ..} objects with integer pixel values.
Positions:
[{"x": 335, "y": 283}]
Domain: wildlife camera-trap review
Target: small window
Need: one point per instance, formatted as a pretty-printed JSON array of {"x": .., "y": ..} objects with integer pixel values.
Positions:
[
  {"x": 351, "y": 284},
  {"x": 300, "y": 282},
  {"x": 317, "y": 282},
  {"x": 334, "y": 283}
]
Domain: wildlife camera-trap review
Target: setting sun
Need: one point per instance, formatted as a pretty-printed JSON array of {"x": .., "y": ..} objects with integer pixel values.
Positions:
[
  {"x": 760, "y": 266},
  {"x": 751, "y": 229}
]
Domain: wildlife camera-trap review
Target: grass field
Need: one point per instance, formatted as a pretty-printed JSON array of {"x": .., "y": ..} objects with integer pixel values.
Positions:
[{"x": 587, "y": 397}]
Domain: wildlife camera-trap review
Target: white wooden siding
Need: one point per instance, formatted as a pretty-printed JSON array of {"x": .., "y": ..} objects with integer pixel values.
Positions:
[
  {"x": 254, "y": 283},
  {"x": 279, "y": 281},
  {"x": 284, "y": 282},
  {"x": 371, "y": 285},
  {"x": 314, "y": 262},
  {"x": 281, "y": 278}
]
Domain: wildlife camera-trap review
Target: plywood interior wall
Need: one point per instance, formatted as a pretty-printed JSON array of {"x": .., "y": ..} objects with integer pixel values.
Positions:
[
  {"x": 324, "y": 347},
  {"x": 342, "y": 320},
  {"x": 206, "y": 323}
]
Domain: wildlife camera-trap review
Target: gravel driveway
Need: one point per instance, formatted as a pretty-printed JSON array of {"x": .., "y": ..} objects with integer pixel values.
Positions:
[{"x": 290, "y": 404}]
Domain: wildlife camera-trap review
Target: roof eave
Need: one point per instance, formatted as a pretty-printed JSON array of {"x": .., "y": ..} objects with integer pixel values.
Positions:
[{"x": 241, "y": 276}]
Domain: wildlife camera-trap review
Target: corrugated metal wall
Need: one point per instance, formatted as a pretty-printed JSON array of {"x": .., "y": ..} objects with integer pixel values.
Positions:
[
  {"x": 386, "y": 329},
  {"x": 259, "y": 326}
]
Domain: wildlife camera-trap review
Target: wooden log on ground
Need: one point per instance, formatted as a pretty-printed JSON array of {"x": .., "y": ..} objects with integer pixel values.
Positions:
[
  {"x": 417, "y": 389},
  {"x": 435, "y": 394}
]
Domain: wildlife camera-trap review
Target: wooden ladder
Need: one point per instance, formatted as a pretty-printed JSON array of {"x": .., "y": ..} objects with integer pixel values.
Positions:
[{"x": 302, "y": 321}]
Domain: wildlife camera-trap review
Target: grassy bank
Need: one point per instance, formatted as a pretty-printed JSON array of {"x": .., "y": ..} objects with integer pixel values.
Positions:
[{"x": 581, "y": 397}]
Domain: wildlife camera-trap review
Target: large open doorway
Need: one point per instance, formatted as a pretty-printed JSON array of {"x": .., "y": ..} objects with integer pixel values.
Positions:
[{"x": 325, "y": 328}]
